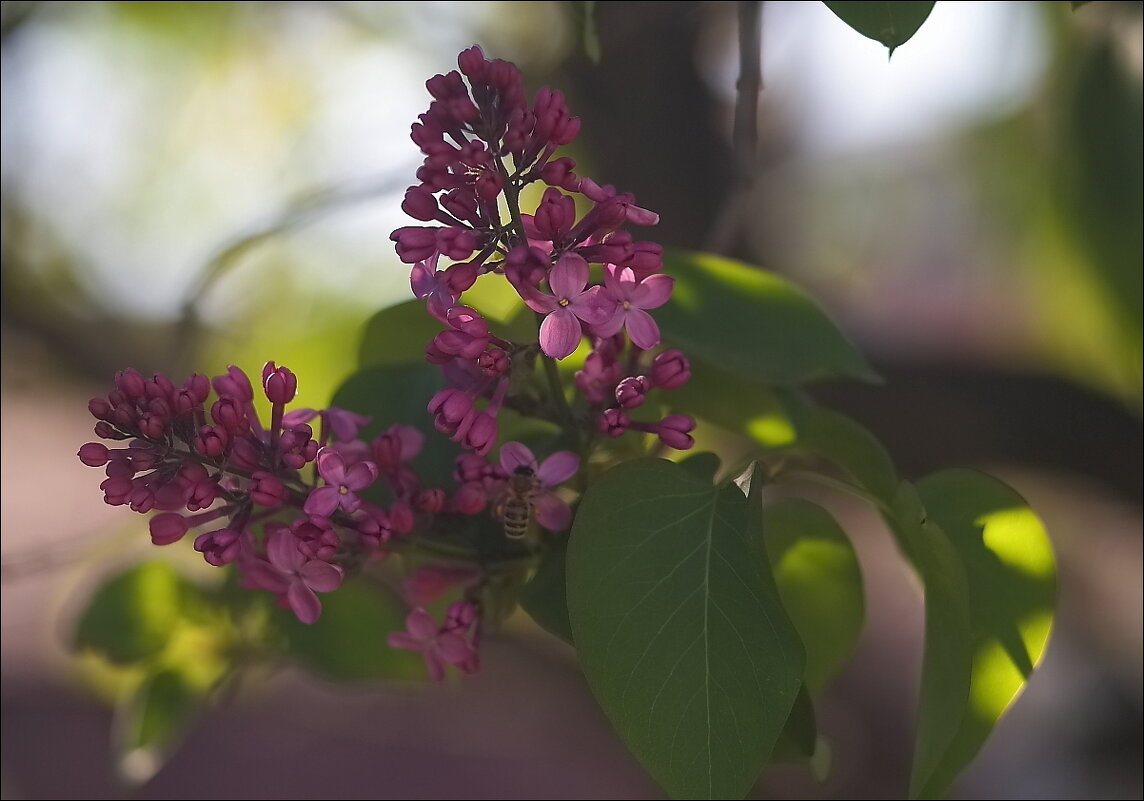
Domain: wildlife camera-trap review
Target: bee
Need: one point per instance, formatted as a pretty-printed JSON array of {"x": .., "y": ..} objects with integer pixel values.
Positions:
[{"x": 514, "y": 506}]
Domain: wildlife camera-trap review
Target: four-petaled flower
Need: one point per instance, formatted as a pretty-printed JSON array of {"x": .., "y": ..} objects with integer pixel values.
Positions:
[
  {"x": 551, "y": 511},
  {"x": 632, "y": 297},
  {"x": 437, "y": 646},
  {"x": 340, "y": 484},
  {"x": 568, "y": 304},
  {"x": 289, "y": 572}
]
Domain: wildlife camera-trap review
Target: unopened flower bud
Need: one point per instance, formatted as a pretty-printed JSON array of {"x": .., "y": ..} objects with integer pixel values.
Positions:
[{"x": 670, "y": 369}]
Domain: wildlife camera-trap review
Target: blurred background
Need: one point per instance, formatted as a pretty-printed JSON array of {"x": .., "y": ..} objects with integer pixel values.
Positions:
[{"x": 187, "y": 185}]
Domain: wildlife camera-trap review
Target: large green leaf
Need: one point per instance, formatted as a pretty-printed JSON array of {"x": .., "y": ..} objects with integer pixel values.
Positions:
[
  {"x": 399, "y": 393},
  {"x": 752, "y": 322},
  {"x": 891, "y": 23},
  {"x": 131, "y": 618},
  {"x": 347, "y": 643},
  {"x": 1010, "y": 576},
  {"x": 397, "y": 335},
  {"x": 819, "y": 581},
  {"x": 679, "y": 627}
]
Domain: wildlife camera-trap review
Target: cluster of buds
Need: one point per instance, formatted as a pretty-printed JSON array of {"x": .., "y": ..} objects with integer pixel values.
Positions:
[
  {"x": 284, "y": 506},
  {"x": 483, "y": 143}
]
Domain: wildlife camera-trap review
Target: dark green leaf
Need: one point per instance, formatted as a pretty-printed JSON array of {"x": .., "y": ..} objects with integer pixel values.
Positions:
[
  {"x": 399, "y": 393},
  {"x": 545, "y": 597},
  {"x": 347, "y": 643},
  {"x": 701, "y": 465},
  {"x": 752, "y": 322},
  {"x": 132, "y": 616},
  {"x": 150, "y": 723},
  {"x": 397, "y": 335},
  {"x": 1011, "y": 578},
  {"x": 820, "y": 583},
  {"x": 1078, "y": 3},
  {"x": 841, "y": 440},
  {"x": 679, "y": 627},
  {"x": 799, "y": 736},
  {"x": 891, "y": 23}
]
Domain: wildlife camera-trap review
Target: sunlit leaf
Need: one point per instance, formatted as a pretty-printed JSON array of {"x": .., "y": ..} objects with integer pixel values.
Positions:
[
  {"x": 679, "y": 627},
  {"x": 150, "y": 722},
  {"x": 1011, "y": 578},
  {"x": 891, "y": 23},
  {"x": 348, "y": 642},
  {"x": 751, "y": 322},
  {"x": 132, "y": 617},
  {"x": 948, "y": 659},
  {"x": 734, "y": 403},
  {"x": 819, "y": 581}
]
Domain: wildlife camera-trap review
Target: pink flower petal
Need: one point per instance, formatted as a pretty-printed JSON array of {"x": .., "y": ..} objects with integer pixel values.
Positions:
[
  {"x": 538, "y": 301},
  {"x": 560, "y": 334},
  {"x": 262, "y": 575},
  {"x": 282, "y": 550},
  {"x": 433, "y": 664},
  {"x": 514, "y": 455},
  {"x": 557, "y": 468},
  {"x": 569, "y": 277},
  {"x": 410, "y": 438},
  {"x": 642, "y": 329},
  {"x": 453, "y": 648},
  {"x": 322, "y": 501},
  {"x": 594, "y": 306},
  {"x": 420, "y": 625},
  {"x": 653, "y": 291},
  {"x": 400, "y": 639},
  {"x": 303, "y": 602},
  {"x": 321, "y": 576},
  {"x": 612, "y": 324},
  {"x": 331, "y": 466},
  {"x": 551, "y": 512},
  {"x": 361, "y": 475}
]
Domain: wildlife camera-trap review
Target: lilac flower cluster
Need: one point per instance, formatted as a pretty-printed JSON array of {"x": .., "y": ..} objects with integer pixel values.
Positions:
[
  {"x": 296, "y": 512},
  {"x": 483, "y": 143},
  {"x": 288, "y": 529}
]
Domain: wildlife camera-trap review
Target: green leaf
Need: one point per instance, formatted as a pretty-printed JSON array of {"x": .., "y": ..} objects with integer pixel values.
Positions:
[
  {"x": 799, "y": 736},
  {"x": 397, "y": 335},
  {"x": 347, "y": 643},
  {"x": 150, "y": 722},
  {"x": 679, "y": 627},
  {"x": 891, "y": 23},
  {"x": 545, "y": 596},
  {"x": 735, "y": 404},
  {"x": 987, "y": 616},
  {"x": 841, "y": 440},
  {"x": 701, "y": 465},
  {"x": 131, "y": 617},
  {"x": 819, "y": 581},
  {"x": 948, "y": 658},
  {"x": 751, "y": 322},
  {"x": 399, "y": 393}
]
